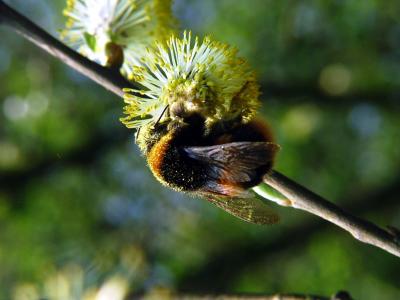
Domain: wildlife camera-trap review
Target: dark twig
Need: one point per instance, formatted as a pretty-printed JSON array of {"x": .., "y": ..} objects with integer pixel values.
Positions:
[
  {"x": 114, "y": 82},
  {"x": 341, "y": 295},
  {"x": 301, "y": 197},
  {"x": 338, "y": 296},
  {"x": 111, "y": 80},
  {"x": 223, "y": 267}
]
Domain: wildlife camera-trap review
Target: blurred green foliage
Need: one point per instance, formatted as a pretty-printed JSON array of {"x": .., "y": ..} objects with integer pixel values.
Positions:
[{"x": 77, "y": 200}]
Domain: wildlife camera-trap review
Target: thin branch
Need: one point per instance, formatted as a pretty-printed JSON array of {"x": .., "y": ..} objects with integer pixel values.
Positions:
[
  {"x": 338, "y": 296},
  {"x": 302, "y": 198},
  {"x": 113, "y": 81},
  {"x": 239, "y": 297},
  {"x": 224, "y": 266}
]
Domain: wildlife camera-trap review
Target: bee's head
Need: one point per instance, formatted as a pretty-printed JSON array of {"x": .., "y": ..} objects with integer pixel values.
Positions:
[{"x": 177, "y": 110}]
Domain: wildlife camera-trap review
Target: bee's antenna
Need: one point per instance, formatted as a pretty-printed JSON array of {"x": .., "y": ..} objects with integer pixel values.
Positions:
[
  {"x": 137, "y": 133},
  {"x": 163, "y": 112}
]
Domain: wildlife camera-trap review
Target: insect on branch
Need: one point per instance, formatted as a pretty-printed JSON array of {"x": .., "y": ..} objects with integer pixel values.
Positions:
[{"x": 300, "y": 197}]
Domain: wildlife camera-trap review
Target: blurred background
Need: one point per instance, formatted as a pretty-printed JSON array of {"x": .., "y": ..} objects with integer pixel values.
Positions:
[{"x": 81, "y": 214}]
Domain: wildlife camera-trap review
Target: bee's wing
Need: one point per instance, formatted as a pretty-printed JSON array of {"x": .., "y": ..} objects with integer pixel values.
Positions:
[
  {"x": 233, "y": 163},
  {"x": 250, "y": 209}
]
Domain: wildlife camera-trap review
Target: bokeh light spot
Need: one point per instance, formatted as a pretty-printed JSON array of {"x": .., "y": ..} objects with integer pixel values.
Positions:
[
  {"x": 365, "y": 120},
  {"x": 15, "y": 108},
  {"x": 9, "y": 155},
  {"x": 335, "y": 79},
  {"x": 38, "y": 103},
  {"x": 299, "y": 122}
]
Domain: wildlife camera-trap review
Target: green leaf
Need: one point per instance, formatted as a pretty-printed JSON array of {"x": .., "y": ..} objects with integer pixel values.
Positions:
[{"x": 90, "y": 40}]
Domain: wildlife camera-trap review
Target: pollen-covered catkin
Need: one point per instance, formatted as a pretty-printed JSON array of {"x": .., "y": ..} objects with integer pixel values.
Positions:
[
  {"x": 132, "y": 25},
  {"x": 204, "y": 77}
]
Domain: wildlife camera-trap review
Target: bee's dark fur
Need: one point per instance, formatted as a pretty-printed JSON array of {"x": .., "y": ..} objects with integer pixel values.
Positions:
[{"x": 174, "y": 167}]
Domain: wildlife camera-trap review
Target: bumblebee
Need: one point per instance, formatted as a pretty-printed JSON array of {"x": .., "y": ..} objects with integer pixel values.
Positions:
[
  {"x": 195, "y": 122},
  {"x": 219, "y": 163}
]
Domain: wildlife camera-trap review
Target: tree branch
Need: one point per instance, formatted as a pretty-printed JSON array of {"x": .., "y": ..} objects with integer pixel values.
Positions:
[
  {"x": 113, "y": 81},
  {"x": 110, "y": 79},
  {"x": 338, "y": 296},
  {"x": 301, "y": 198},
  {"x": 224, "y": 266}
]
